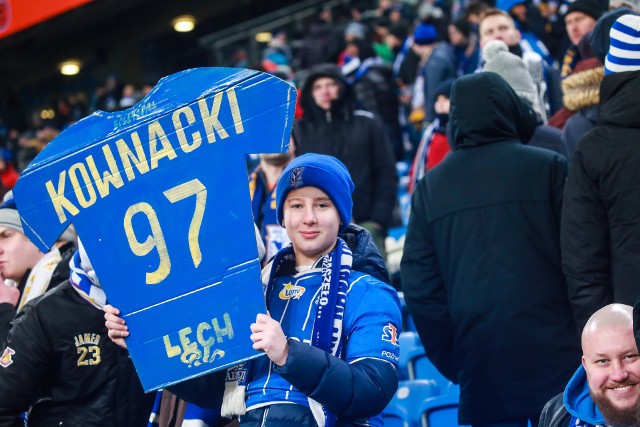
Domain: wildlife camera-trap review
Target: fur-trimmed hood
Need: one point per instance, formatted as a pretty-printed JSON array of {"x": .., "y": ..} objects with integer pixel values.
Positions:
[{"x": 582, "y": 89}]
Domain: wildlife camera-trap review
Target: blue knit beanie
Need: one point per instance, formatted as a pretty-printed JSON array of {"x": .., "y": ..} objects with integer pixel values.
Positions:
[
  {"x": 624, "y": 50},
  {"x": 425, "y": 34},
  {"x": 324, "y": 172}
]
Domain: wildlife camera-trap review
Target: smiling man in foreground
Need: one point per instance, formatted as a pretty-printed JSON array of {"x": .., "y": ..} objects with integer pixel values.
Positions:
[{"x": 605, "y": 390}]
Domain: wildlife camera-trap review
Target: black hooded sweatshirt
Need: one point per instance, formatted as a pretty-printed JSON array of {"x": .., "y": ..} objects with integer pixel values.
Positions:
[
  {"x": 357, "y": 139},
  {"x": 601, "y": 216},
  {"x": 481, "y": 269}
]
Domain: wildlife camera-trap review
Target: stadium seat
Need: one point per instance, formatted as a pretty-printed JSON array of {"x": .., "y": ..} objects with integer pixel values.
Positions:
[
  {"x": 404, "y": 408},
  {"x": 414, "y": 364},
  {"x": 395, "y": 415},
  {"x": 440, "y": 411},
  {"x": 408, "y": 325}
]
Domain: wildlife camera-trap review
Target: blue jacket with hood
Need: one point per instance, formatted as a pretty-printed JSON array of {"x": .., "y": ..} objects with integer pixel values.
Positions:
[{"x": 573, "y": 407}]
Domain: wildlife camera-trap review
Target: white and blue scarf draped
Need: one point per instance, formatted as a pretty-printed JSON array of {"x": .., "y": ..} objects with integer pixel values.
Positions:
[
  {"x": 327, "y": 326},
  {"x": 84, "y": 281}
]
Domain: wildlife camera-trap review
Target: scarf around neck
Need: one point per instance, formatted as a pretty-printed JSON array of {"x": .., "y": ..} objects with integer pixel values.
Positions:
[
  {"x": 40, "y": 276},
  {"x": 327, "y": 326}
]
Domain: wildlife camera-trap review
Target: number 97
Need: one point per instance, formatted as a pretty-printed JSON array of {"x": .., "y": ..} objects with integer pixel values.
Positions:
[{"x": 156, "y": 239}]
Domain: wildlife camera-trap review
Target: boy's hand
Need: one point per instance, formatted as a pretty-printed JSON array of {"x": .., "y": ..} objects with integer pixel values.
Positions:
[
  {"x": 115, "y": 325},
  {"x": 267, "y": 335}
]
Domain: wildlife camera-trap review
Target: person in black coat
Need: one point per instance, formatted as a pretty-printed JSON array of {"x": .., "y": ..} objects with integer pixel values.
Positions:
[
  {"x": 601, "y": 213},
  {"x": 331, "y": 125},
  {"x": 481, "y": 269}
]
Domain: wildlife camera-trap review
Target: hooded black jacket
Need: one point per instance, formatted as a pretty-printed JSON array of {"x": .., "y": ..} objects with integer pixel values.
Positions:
[
  {"x": 601, "y": 217},
  {"x": 64, "y": 366},
  {"x": 357, "y": 139},
  {"x": 481, "y": 268}
]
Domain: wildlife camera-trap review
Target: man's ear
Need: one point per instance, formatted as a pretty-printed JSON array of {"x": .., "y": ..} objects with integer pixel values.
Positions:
[{"x": 584, "y": 362}]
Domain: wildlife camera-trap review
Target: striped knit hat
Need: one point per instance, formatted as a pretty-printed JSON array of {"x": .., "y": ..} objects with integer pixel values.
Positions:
[{"x": 624, "y": 50}]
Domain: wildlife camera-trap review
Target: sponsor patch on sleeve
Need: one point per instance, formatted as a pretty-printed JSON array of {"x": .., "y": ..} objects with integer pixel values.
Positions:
[
  {"x": 390, "y": 334},
  {"x": 6, "y": 359}
]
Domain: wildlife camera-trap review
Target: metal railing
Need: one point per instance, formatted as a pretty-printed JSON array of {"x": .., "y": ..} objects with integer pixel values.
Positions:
[{"x": 247, "y": 30}]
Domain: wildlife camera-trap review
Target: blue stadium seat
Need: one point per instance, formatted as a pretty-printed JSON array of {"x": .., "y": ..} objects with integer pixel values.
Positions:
[
  {"x": 414, "y": 364},
  {"x": 440, "y": 411},
  {"x": 395, "y": 415},
  {"x": 408, "y": 325},
  {"x": 404, "y": 408}
]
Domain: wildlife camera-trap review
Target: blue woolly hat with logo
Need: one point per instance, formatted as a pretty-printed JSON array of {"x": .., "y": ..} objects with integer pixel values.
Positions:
[{"x": 324, "y": 172}]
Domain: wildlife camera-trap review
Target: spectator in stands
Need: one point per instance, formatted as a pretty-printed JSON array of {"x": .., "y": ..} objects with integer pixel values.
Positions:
[
  {"x": 128, "y": 98},
  {"x": 59, "y": 364},
  {"x": 581, "y": 96},
  {"x": 437, "y": 64},
  {"x": 8, "y": 175},
  {"x": 332, "y": 126},
  {"x": 315, "y": 47},
  {"x": 262, "y": 186},
  {"x": 481, "y": 269},
  {"x": 306, "y": 380},
  {"x": 600, "y": 211},
  {"x": 465, "y": 47},
  {"x": 375, "y": 90},
  {"x": 498, "y": 25},
  {"x": 605, "y": 389},
  {"x": 580, "y": 19},
  {"x": 434, "y": 145},
  {"x": 529, "y": 23},
  {"x": 26, "y": 272},
  {"x": 515, "y": 72}
]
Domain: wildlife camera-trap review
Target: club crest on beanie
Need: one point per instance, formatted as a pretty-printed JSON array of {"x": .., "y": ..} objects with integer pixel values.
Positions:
[
  {"x": 321, "y": 171},
  {"x": 624, "y": 48}
]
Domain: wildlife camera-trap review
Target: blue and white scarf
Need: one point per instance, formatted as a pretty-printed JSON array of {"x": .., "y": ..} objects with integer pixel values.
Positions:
[
  {"x": 327, "y": 326},
  {"x": 84, "y": 280}
]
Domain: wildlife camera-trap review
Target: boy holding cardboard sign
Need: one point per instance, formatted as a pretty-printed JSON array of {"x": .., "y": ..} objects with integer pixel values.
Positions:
[{"x": 330, "y": 333}]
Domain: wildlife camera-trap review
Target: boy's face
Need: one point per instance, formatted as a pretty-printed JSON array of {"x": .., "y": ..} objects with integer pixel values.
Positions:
[
  {"x": 442, "y": 105},
  {"x": 17, "y": 254},
  {"x": 312, "y": 223}
]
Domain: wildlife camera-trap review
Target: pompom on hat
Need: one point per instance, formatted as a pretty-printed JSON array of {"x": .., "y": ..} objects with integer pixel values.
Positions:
[
  {"x": 514, "y": 70},
  {"x": 425, "y": 34},
  {"x": 624, "y": 48},
  {"x": 321, "y": 171}
]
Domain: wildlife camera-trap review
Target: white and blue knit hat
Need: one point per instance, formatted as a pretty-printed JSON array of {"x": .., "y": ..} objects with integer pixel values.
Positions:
[{"x": 624, "y": 48}]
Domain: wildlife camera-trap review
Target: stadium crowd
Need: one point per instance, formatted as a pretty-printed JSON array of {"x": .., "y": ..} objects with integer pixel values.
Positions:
[{"x": 484, "y": 183}]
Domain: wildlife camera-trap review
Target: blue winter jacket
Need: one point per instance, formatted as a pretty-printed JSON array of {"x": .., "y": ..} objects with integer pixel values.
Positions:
[{"x": 353, "y": 392}]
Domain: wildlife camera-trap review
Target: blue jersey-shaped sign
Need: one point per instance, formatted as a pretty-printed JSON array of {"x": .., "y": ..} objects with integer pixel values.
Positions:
[{"x": 158, "y": 194}]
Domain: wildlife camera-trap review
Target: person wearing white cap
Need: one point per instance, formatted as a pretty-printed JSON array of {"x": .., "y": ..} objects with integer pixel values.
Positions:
[{"x": 601, "y": 215}]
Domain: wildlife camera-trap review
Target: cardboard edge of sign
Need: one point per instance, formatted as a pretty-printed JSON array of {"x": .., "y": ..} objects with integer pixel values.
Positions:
[{"x": 44, "y": 158}]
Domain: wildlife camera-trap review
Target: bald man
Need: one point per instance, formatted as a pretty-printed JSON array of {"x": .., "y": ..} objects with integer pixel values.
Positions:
[{"x": 605, "y": 390}]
